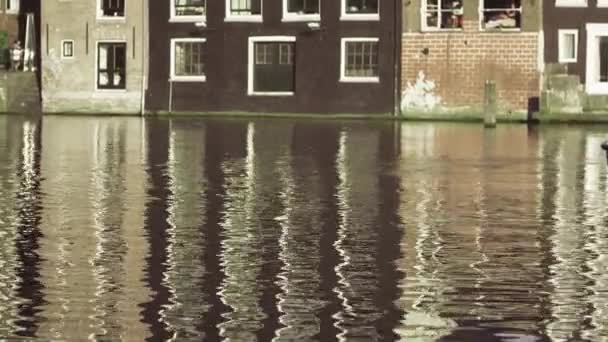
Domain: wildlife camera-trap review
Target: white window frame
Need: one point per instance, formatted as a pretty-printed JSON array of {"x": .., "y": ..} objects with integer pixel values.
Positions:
[
  {"x": 482, "y": 7},
  {"x": 102, "y": 17},
  {"x": 358, "y": 17},
  {"x": 594, "y": 31},
  {"x": 251, "y": 18},
  {"x": 176, "y": 78},
  {"x": 602, "y": 3},
  {"x": 251, "y": 63},
  {"x": 289, "y": 16},
  {"x": 101, "y": 90},
  {"x": 356, "y": 79},
  {"x": 572, "y": 3},
  {"x": 561, "y": 33},
  {"x": 63, "y": 56},
  {"x": 13, "y": 9},
  {"x": 173, "y": 18},
  {"x": 423, "y": 21}
]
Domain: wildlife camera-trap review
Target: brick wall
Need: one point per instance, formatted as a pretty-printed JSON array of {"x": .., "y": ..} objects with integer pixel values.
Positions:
[{"x": 460, "y": 62}]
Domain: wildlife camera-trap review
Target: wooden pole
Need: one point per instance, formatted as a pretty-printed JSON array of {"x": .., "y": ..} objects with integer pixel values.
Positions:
[{"x": 489, "y": 104}]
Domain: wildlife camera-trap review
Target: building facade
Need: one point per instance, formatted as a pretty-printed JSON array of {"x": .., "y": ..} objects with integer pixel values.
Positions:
[
  {"x": 93, "y": 55},
  {"x": 312, "y": 56},
  {"x": 451, "y": 47}
]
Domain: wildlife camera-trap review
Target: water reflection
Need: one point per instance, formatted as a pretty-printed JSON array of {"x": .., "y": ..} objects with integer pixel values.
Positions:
[{"x": 184, "y": 229}]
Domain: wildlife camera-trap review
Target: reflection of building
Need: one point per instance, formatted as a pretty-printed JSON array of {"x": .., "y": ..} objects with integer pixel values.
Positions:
[
  {"x": 186, "y": 239},
  {"x": 358, "y": 209},
  {"x": 93, "y": 244},
  {"x": 93, "y": 56}
]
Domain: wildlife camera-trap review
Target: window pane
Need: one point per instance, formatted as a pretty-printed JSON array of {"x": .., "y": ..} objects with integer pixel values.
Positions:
[
  {"x": 274, "y": 70},
  {"x": 361, "y": 6},
  {"x": 113, "y": 8},
  {"x": 567, "y": 47},
  {"x": 303, "y": 6},
  {"x": 245, "y": 7},
  {"x": 361, "y": 59},
  {"x": 189, "y": 59},
  {"x": 500, "y": 14},
  {"x": 190, "y": 7},
  {"x": 111, "y": 66}
]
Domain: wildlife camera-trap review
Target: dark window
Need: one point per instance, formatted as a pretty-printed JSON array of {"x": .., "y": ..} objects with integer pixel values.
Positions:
[
  {"x": 245, "y": 7},
  {"x": 501, "y": 14},
  {"x": 361, "y": 6},
  {"x": 444, "y": 14},
  {"x": 189, "y": 58},
  {"x": 113, "y": 8},
  {"x": 67, "y": 48},
  {"x": 361, "y": 59},
  {"x": 303, "y": 6},
  {"x": 274, "y": 68},
  {"x": 111, "y": 66},
  {"x": 190, "y": 7},
  {"x": 603, "y": 59}
]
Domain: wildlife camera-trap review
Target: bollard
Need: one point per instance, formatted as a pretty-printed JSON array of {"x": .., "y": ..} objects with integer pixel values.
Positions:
[{"x": 489, "y": 104}]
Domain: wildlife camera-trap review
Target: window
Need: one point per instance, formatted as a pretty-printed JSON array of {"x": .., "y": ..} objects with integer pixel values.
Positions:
[
  {"x": 271, "y": 66},
  {"x": 301, "y": 10},
  {"x": 359, "y": 60},
  {"x": 596, "y": 74},
  {"x": 111, "y": 8},
  {"x": 12, "y": 6},
  {"x": 360, "y": 10},
  {"x": 572, "y": 3},
  {"x": 442, "y": 14},
  {"x": 111, "y": 65},
  {"x": 188, "y": 59},
  {"x": 188, "y": 10},
  {"x": 567, "y": 45},
  {"x": 67, "y": 48},
  {"x": 501, "y": 14},
  {"x": 244, "y": 10}
]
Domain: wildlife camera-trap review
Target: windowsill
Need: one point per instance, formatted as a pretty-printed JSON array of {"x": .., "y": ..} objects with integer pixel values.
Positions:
[
  {"x": 439, "y": 30},
  {"x": 567, "y": 61},
  {"x": 499, "y": 30},
  {"x": 187, "y": 19},
  {"x": 272, "y": 93},
  {"x": 12, "y": 12},
  {"x": 67, "y": 58},
  {"x": 257, "y": 18},
  {"x": 566, "y": 5},
  {"x": 111, "y": 90},
  {"x": 360, "y": 17},
  {"x": 112, "y": 19},
  {"x": 597, "y": 88},
  {"x": 359, "y": 79},
  {"x": 188, "y": 79},
  {"x": 290, "y": 17}
]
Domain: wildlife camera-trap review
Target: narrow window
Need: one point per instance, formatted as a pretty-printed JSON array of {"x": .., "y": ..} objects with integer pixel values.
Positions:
[
  {"x": 67, "y": 48},
  {"x": 111, "y": 66},
  {"x": 112, "y": 8},
  {"x": 443, "y": 14},
  {"x": 360, "y": 60},
  {"x": 501, "y": 14},
  {"x": 245, "y": 7},
  {"x": 273, "y": 69},
  {"x": 188, "y": 59},
  {"x": 189, "y": 8},
  {"x": 361, "y": 7},
  {"x": 567, "y": 46},
  {"x": 603, "y": 59},
  {"x": 303, "y": 6}
]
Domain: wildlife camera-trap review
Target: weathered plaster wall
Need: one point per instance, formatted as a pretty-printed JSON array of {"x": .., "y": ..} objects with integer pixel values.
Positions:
[
  {"x": 446, "y": 70},
  {"x": 69, "y": 84}
]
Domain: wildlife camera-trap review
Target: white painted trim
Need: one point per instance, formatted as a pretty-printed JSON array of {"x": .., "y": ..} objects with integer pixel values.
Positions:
[
  {"x": 561, "y": 33},
  {"x": 100, "y": 17},
  {"x": 289, "y": 16},
  {"x": 592, "y": 86},
  {"x": 63, "y": 41},
  {"x": 173, "y": 77},
  {"x": 251, "y": 18},
  {"x": 358, "y": 17},
  {"x": 571, "y": 3},
  {"x": 602, "y": 3},
  {"x": 14, "y": 9},
  {"x": 173, "y": 18},
  {"x": 97, "y": 64},
  {"x": 251, "y": 62},
  {"x": 423, "y": 22},
  {"x": 351, "y": 79}
]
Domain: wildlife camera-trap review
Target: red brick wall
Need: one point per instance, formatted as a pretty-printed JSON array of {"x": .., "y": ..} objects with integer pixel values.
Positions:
[{"x": 460, "y": 62}]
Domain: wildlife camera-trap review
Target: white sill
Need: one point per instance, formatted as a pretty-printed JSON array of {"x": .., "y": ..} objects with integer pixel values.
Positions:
[
  {"x": 360, "y": 79},
  {"x": 67, "y": 57},
  {"x": 435, "y": 30},
  {"x": 186, "y": 19},
  {"x": 290, "y": 17},
  {"x": 13, "y": 12},
  {"x": 257, "y": 18},
  {"x": 113, "y": 19},
  {"x": 272, "y": 93},
  {"x": 498, "y": 30},
  {"x": 118, "y": 91},
  {"x": 188, "y": 79},
  {"x": 360, "y": 17},
  {"x": 567, "y": 60}
]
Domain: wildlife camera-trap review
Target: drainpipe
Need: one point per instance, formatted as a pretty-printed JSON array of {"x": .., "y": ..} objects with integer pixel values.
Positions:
[
  {"x": 144, "y": 59},
  {"x": 397, "y": 15}
]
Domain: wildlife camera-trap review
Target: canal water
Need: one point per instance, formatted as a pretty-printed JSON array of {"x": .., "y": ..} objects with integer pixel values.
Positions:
[{"x": 232, "y": 230}]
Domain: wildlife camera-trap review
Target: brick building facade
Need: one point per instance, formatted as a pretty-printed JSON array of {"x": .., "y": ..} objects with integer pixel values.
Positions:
[{"x": 449, "y": 52}]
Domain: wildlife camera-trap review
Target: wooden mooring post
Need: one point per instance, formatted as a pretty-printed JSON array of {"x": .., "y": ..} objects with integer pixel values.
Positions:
[{"x": 489, "y": 104}]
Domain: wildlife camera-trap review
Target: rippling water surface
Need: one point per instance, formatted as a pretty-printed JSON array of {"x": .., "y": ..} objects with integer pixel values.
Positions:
[{"x": 228, "y": 230}]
